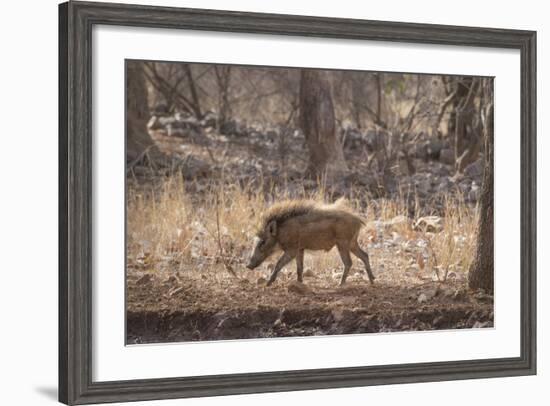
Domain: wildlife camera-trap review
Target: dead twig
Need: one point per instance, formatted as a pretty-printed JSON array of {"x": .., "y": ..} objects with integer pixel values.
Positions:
[{"x": 225, "y": 262}]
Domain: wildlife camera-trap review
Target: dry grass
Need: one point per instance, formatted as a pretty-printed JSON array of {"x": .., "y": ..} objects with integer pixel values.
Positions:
[{"x": 211, "y": 233}]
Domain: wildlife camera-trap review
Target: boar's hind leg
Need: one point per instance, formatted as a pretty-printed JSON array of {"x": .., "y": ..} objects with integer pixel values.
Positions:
[
  {"x": 285, "y": 259},
  {"x": 363, "y": 256},
  {"x": 346, "y": 259},
  {"x": 300, "y": 265}
]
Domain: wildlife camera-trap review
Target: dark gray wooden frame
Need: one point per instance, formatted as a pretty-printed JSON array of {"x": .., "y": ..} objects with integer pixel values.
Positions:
[{"x": 76, "y": 20}]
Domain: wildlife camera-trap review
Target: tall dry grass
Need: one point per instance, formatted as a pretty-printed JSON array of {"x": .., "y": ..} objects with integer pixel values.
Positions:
[{"x": 211, "y": 231}]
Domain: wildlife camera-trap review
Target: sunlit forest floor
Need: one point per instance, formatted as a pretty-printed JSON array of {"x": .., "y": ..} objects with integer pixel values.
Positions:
[{"x": 190, "y": 232}]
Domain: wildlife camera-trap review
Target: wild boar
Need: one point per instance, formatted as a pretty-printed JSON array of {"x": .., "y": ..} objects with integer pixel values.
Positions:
[{"x": 298, "y": 225}]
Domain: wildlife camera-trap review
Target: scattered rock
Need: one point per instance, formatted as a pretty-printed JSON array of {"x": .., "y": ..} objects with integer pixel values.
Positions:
[
  {"x": 261, "y": 281},
  {"x": 154, "y": 124},
  {"x": 228, "y": 127},
  {"x": 346, "y": 301},
  {"x": 433, "y": 148},
  {"x": 192, "y": 168},
  {"x": 432, "y": 293},
  {"x": 475, "y": 192},
  {"x": 209, "y": 120},
  {"x": 475, "y": 169},
  {"x": 483, "y": 297},
  {"x": 422, "y": 298},
  {"x": 430, "y": 224},
  {"x": 448, "y": 293},
  {"x": 394, "y": 223},
  {"x": 428, "y": 294},
  {"x": 423, "y": 188},
  {"x": 445, "y": 184},
  {"x": 447, "y": 156}
]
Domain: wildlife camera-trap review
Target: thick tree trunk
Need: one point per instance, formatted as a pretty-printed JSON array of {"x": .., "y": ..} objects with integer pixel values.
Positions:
[
  {"x": 481, "y": 274},
  {"x": 138, "y": 141},
  {"x": 317, "y": 120}
]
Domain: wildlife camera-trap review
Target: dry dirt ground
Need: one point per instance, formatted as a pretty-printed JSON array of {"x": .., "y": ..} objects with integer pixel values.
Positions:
[{"x": 179, "y": 308}]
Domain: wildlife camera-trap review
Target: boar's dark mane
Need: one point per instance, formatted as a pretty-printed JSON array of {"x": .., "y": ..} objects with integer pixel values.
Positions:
[{"x": 284, "y": 210}]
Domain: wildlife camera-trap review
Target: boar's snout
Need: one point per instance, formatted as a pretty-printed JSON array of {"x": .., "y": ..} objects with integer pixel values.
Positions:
[
  {"x": 253, "y": 262},
  {"x": 264, "y": 246}
]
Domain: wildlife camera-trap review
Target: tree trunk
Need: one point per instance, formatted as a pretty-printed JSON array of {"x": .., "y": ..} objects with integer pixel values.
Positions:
[
  {"x": 317, "y": 121},
  {"x": 193, "y": 89},
  {"x": 481, "y": 274},
  {"x": 358, "y": 97},
  {"x": 462, "y": 119},
  {"x": 379, "y": 80},
  {"x": 223, "y": 78},
  {"x": 460, "y": 87},
  {"x": 138, "y": 141}
]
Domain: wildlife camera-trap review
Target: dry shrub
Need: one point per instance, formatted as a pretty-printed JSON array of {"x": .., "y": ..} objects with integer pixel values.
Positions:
[{"x": 451, "y": 250}]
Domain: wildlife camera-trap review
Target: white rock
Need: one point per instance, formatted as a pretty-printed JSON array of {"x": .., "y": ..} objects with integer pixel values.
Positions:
[{"x": 431, "y": 224}]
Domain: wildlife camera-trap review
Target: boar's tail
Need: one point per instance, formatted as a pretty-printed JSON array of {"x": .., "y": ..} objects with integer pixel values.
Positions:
[
  {"x": 361, "y": 220},
  {"x": 343, "y": 204}
]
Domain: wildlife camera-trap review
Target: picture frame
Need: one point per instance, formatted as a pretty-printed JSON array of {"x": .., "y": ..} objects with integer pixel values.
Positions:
[{"x": 76, "y": 384}]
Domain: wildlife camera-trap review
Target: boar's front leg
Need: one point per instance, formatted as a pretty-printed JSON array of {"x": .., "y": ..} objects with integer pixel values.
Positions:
[
  {"x": 285, "y": 259},
  {"x": 300, "y": 265}
]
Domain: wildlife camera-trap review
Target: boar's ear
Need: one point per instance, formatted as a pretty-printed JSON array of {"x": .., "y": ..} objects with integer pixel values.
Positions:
[{"x": 272, "y": 228}]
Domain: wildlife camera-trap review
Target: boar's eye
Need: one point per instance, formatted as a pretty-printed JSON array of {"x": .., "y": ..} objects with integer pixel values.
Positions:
[{"x": 261, "y": 242}]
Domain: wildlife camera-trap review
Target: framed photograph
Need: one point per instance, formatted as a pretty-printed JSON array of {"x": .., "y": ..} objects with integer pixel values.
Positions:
[{"x": 258, "y": 203}]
